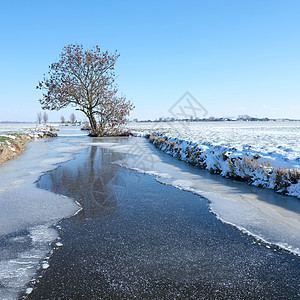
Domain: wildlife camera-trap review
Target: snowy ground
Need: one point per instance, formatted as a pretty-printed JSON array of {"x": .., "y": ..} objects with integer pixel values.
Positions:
[
  {"x": 252, "y": 151},
  {"x": 22, "y": 127},
  {"x": 277, "y": 141}
]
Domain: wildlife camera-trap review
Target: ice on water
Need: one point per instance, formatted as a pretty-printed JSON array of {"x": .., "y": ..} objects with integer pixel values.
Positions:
[
  {"x": 262, "y": 213},
  {"x": 28, "y": 214},
  {"x": 21, "y": 256}
]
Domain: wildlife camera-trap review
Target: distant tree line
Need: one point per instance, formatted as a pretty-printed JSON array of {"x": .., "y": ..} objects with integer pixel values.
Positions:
[{"x": 42, "y": 117}]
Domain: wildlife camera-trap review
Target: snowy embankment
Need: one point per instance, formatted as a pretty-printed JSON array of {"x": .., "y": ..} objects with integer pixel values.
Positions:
[
  {"x": 248, "y": 166},
  {"x": 13, "y": 144}
]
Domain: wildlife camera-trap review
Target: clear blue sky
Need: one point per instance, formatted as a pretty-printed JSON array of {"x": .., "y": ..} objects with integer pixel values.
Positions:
[{"x": 236, "y": 57}]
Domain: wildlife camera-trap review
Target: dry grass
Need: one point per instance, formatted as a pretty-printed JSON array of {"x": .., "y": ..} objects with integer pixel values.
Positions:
[{"x": 284, "y": 177}]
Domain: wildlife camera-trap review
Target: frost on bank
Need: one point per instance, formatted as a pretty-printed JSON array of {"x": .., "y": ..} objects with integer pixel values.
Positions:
[
  {"x": 229, "y": 163},
  {"x": 13, "y": 144}
]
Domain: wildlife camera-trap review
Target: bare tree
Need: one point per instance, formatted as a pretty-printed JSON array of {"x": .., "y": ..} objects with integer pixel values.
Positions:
[
  {"x": 62, "y": 119},
  {"x": 85, "y": 79},
  {"x": 45, "y": 117},
  {"x": 72, "y": 118},
  {"x": 112, "y": 112},
  {"x": 39, "y": 117}
]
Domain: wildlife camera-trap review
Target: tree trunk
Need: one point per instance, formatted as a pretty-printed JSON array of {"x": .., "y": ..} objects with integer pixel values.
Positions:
[{"x": 93, "y": 123}]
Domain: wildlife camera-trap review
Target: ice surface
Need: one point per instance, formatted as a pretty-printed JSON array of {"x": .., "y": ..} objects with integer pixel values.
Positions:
[
  {"x": 27, "y": 206},
  {"x": 262, "y": 213},
  {"x": 27, "y": 213},
  {"x": 19, "y": 262}
]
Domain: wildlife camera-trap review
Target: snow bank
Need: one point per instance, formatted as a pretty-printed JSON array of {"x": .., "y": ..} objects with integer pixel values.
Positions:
[
  {"x": 12, "y": 145},
  {"x": 231, "y": 163}
]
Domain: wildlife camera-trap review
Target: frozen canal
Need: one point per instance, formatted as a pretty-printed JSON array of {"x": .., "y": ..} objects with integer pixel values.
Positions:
[
  {"x": 138, "y": 238},
  {"x": 80, "y": 219}
]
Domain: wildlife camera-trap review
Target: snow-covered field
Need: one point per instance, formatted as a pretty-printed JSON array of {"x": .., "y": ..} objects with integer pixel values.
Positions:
[
  {"x": 16, "y": 127},
  {"x": 251, "y": 151},
  {"x": 272, "y": 139}
]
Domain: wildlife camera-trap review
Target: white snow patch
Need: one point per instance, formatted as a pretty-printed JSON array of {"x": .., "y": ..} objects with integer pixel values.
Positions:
[{"x": 45, "y": 266}]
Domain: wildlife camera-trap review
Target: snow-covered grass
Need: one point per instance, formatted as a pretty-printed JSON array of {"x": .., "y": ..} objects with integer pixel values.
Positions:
[
  {"x": 276, "y": 141},
  {"x": 40, "y": 133},
  {"x": 11, "y": 138},
  {"x": 231, "y": 163},
  {"x": 265, "y": 154},
  {"x": 13, "y": 144},
  {"x": 8, "y": 139}
]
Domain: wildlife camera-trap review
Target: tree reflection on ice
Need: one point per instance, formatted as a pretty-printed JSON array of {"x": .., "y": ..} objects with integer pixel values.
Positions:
[{"x": 91, "y": 178}]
